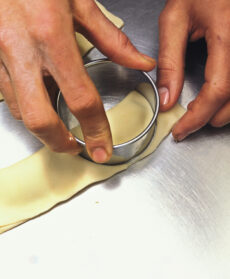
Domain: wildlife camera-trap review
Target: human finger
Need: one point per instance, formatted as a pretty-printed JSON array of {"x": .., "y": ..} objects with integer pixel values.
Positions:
[
  {"x": 173, "y": 35},
  {"x": 8, "y": 93},
  {"x": 222, "y": 117},
  {"x": 36, "y": 108},
  {"x": 213, "y": 95},
  {"x": 81, "y": 97},
  {"x": 111, "y": 41}
]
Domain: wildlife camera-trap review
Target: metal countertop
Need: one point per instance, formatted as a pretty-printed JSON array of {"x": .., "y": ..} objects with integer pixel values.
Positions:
[{"x": 165, "y": 217}]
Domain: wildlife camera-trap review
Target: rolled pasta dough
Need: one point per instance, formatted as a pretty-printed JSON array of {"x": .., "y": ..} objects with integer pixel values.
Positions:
[
  {"x": 45, "y": 179},
  {"x": 39, "y": 182}
]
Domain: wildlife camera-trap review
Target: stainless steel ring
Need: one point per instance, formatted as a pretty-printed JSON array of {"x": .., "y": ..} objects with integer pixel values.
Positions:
[{"x": 111, "y": 78}]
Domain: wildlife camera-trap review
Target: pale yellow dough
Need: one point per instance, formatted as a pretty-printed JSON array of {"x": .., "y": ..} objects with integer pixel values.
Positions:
[
  {"x": 1, "y": 97},
  {"x": 45, "y": 179},
  {"x": 138, "y": 115}
]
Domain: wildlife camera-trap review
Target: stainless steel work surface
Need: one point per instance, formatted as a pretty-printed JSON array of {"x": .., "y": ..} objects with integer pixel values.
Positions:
[{"x": 168, "y": 216}]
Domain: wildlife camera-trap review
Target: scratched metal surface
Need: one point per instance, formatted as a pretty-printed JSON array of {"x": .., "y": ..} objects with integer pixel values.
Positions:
[{"x": 165, "y": 217}]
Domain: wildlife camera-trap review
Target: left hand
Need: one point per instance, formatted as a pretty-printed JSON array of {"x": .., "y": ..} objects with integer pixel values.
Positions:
[
  {"x": 183, "y": 20},
  {"x": 37, "y": 38}
]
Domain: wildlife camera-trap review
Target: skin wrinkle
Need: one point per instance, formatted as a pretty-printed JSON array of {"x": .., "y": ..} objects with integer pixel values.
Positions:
[
  {"x": 211, "y": 104},
  {"x": 31, "y": 40},
  {"x": 37, "y": 24},
  {"x": 39, "y": 35}
]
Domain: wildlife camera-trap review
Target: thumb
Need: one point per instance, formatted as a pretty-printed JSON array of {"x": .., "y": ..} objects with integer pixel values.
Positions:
[
  {"x": 173, "y": 34},
  {"x": 111, "y": 41}
]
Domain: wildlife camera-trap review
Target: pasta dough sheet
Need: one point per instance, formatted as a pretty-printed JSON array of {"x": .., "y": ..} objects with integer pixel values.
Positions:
[
  {"x": 41, "y": 181},
  {"x": 45, "y": 179}
]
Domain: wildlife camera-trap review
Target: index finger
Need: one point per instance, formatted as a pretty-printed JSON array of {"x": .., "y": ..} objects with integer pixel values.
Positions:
[
  {"x": 37, "y": 111},
  {"x": 81, "y": 96},
  {"x": 214, "y": 93}
]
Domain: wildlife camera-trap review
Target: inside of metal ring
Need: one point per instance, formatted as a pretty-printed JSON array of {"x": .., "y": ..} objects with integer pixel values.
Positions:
[{"x": 113, "y": 82}]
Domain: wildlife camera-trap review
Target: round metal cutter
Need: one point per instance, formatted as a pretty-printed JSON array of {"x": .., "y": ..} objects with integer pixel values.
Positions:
[{"x": 114, "y": 82}]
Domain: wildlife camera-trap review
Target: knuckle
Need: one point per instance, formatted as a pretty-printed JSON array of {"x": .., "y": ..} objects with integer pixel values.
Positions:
[
  {"x": 220, "y": 90},
  {"x": 98, "y": 136},
  {"x": 166, "y": 63},
  {"x": 122, "y": 40},
  {"x": 220, "y": 30},
  {"x": 46, "y": 34},
  {"x": 84, "y": 104},
  {"x": 220, "y": 37},
  {"x": 122, "y": 44},
  {"x": 39, "y": 125},
  {"x": 46, "y": 27},
  {"x": 7, "y": 36}
]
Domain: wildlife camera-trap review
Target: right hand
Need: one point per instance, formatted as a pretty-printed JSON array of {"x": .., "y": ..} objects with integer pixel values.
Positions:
[
  {"x": 192, "y": 20},
  {"x": 36, "y": 38}
]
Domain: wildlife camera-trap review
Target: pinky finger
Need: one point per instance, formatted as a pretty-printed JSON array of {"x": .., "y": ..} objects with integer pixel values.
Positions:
[
  {"x": 8, "y": 93},
  {"x": 222, "y": 117}
]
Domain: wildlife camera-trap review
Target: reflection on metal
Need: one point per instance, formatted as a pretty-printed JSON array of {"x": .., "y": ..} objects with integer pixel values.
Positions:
[
  {"x": 165, "y": 217},
  {"x": 114, "y": 82}
]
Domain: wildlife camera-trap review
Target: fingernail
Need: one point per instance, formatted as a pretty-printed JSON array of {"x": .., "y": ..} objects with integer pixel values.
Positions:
[
  {"x": 99, "y": 155},
  {"x": 164, "y": 95}
]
